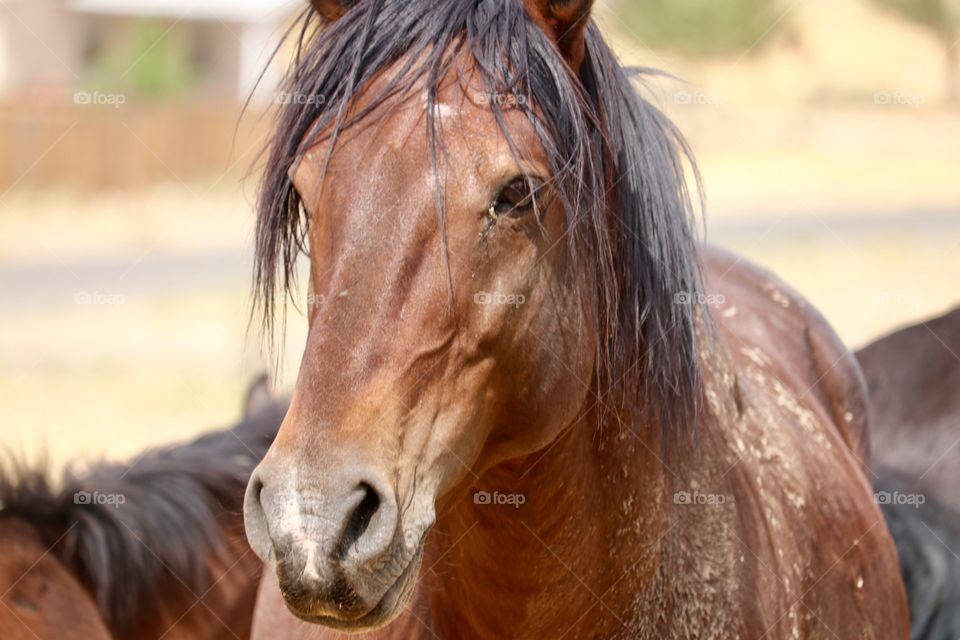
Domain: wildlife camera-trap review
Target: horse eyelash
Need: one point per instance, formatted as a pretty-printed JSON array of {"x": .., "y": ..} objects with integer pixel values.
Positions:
[
  {"x": 489, "y": 221},
  {"x": 491, "y": 218}
]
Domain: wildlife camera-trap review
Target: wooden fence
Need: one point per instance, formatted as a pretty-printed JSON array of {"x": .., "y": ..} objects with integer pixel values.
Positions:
[{"x": 83, "y": 146}]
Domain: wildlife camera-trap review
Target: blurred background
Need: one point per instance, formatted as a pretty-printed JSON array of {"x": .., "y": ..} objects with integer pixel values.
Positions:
[{"x": 827, "y": 131}]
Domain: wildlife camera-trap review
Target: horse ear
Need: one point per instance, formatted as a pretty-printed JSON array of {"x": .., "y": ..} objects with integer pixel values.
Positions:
[
  {"x": 259, "y": 396},
  {"x": 332, "y": 10},
  {"x": 565, "y": 21}
]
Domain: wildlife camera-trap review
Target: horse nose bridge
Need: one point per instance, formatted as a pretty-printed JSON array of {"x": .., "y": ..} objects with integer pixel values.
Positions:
[
  {"x": 329, "y": 367},
  {"x": 335, "y": 411},
  {"x": 340, "y": 372},
  {"x": 381, "y": 321}
]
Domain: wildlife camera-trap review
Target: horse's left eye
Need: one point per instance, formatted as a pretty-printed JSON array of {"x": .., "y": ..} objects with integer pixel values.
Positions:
[{"x": 517, "y": 198}]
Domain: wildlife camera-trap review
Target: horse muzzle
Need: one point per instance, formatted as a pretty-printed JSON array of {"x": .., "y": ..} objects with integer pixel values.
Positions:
[{"x": 335, "y": 543}]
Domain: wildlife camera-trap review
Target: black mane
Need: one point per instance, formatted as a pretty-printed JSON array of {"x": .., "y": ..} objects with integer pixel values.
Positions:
[
  {"x": 617, "y": 161},
  {"x": 132, "y": 557}
]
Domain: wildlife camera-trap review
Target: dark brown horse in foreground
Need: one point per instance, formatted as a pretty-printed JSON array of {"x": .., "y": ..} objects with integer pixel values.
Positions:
[
  {"x": 914, "y": 380},
  {"x": 146, "y": 550},
  {"x": 521, "y": 412}
]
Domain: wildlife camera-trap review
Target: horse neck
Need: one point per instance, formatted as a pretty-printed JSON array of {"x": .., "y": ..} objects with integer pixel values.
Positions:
[
  {"x": 587, "y": 540},
  {"x": 216, "y": 608}
]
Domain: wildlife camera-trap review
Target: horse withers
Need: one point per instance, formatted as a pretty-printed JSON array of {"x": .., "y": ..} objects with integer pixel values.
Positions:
[{"x": 522, "y": 412}]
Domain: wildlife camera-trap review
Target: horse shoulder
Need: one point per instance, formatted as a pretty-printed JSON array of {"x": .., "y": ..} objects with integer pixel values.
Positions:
[
  {"x": 769, "y": 320},
  {"x": 800, "y": 446}
]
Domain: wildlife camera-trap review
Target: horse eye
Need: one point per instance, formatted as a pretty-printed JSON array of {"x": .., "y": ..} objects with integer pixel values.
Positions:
[{"x": 517, "y": 198}]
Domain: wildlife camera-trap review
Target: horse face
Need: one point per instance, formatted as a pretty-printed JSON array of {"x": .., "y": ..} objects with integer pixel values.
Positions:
[{"x": 434, "y": 350}]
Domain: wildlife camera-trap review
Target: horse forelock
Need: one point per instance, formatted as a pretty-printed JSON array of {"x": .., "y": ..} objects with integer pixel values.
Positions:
[{"x": 617, "y": 162}]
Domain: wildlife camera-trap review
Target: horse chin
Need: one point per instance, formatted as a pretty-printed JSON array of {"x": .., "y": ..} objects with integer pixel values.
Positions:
[{"x": 386, "y": 610}]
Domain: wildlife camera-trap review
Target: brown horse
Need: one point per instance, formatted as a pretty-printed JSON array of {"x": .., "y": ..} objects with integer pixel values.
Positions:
[
  {"x": 914, "y": 379},
  {"x": 152, "y": 549},
  {"x": 519, "y": 414}
]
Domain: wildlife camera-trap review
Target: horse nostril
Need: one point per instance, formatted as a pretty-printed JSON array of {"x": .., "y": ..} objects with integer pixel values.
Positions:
[
  {"x": 255, "y": 521},
  {"x": 359, "y": 520}
]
